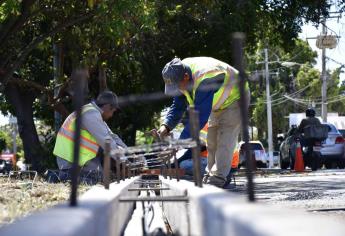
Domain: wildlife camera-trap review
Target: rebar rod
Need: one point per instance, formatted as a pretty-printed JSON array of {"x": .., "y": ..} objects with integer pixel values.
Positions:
[
  {"x": 237, "y": 45},
  {"x": 194, "y": 130},
  {"x": 79, "y": 77},
  {"x": 177, "y": 174},
  {"x": 123, "y": 168},
  {"x": 118, "y": 171},
  {"x": 106, "y": 164},
  {"x": 155, "y": 199}
]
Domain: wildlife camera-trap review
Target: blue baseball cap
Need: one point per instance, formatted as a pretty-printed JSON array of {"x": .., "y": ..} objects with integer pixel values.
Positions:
[{"x": 172, "y": 74}]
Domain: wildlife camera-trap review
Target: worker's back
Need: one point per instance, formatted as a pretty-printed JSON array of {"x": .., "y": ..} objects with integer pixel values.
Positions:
[{"x": 308, "y": 121}]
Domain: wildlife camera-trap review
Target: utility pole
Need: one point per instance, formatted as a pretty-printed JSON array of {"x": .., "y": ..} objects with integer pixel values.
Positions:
[
  {"x": 323, "y": 42},
  {"x": 324, "y": 76},
  {"x": 269, "y": 111},
  {"x": 269, "y": 102}
]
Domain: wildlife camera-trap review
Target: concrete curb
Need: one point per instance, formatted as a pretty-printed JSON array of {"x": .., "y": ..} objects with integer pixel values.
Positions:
[
  {"x": 213, "y": 211},
  {"x": 98, "y": 213}
]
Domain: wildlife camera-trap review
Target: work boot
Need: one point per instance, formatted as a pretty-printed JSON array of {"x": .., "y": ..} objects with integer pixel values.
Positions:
[
  {"x": 228, "y": 181},
  {"x": 216, "y": 181},
  {"x": 205, "y": 178}
]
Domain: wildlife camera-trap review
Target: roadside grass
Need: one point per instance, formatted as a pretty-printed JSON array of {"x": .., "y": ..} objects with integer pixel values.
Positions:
[{"x": 20, "y": 198}]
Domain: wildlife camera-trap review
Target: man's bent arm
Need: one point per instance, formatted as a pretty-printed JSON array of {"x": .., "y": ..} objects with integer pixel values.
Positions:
[
  {"x": 92, "y": 121},
  {"x": 175, "y": 112}
]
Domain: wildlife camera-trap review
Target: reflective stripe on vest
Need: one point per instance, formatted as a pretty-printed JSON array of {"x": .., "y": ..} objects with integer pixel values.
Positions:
[
  {"x": 65, "y": 140},
  {"x": 207, "y": 68},
  {"x": 84, "y": 142},
  {"x": 203, "y": 135}
]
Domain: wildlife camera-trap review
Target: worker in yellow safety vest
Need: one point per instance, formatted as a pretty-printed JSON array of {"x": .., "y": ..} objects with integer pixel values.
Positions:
[
  {"x": 94, "y": 132},
  {"x": 211, "y": 87}
]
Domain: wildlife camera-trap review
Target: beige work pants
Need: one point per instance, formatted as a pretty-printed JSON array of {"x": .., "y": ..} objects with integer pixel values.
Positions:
[{"x": 223, "y": 130}]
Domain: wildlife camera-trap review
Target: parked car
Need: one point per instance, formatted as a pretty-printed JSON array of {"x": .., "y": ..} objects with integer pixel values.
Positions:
[
  {"x": 342, "y": 131},
  {"x": 257, "y": 153},
  {"x": 288, "y": 148},
  {"x": 332, "y": 150},
  {"x": 276, "y": 158},
  {"x": 6, "y": 162}
]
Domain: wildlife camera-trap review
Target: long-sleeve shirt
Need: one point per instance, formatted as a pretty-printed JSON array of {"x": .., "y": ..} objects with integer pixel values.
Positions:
[
  {"x": 202, "y": 103},
  {"x": 93, "y": 122}
]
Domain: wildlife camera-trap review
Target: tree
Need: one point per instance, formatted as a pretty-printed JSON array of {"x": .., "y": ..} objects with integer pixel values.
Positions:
[
  {"x": 282, "y": 81},
  {"x": 130, "y": 40},
  {"x": 310, "y": 79},
  {"x": 27, "y": 31},
  {"x": 3, "y": 141}
]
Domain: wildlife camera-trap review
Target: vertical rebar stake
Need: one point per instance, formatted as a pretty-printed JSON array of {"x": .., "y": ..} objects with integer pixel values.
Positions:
[
  {"x": 176, "y": 166},
  {"x": 194, "y": 130},
  {"x": 169, "y": 167},
  {"x": 129, "y": 170},
  {"x": 123, "y": 164},
  {"x": 165, "y": 170},
  {"x": 118, "y": 173},
  {"x": 237, "y": 49},
  {"x": 79, "y": 76},
  {"x": 106, "y": 164}
]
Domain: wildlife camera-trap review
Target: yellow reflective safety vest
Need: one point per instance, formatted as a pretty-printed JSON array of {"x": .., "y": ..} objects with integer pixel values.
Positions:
[
  {"x": 204, "y": 68},
  {"x": 65, "y": 140}
]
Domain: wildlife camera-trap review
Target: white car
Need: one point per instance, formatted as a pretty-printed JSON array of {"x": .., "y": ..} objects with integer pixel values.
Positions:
[
  {"x": 257, "y": 153},
  {"x": 276, "y": 156}
]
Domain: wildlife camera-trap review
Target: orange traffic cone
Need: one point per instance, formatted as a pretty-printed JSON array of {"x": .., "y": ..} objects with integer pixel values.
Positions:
[{"x": 299, "y": 163}]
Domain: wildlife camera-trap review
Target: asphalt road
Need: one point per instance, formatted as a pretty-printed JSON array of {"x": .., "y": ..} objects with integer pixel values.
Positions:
[{"x": 320, "y": 192}]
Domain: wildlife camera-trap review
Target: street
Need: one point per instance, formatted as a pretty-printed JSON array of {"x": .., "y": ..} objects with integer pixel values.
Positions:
[{"x": 320, "y": 192}]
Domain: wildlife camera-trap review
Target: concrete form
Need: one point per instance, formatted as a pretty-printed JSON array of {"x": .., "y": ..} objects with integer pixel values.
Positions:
[
  {"x": 209, "y": 211},
  {"x": 98, "y": 213},
  {"x": 212, "y": 211}
]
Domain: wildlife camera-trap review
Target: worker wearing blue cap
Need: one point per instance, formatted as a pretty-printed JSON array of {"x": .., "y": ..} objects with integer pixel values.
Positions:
[{"x": 211, "y": 87}]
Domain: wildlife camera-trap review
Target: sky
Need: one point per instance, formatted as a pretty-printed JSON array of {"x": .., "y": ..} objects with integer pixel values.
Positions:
[
  {"x": 335, "y": 26},
  {"x": 3, "y": 119}
]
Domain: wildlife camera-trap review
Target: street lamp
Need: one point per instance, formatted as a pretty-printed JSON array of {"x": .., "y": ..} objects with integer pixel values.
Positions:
[{"x": 290, "y": 64}]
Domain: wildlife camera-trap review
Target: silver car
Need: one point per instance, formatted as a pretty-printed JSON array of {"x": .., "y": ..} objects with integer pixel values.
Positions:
[{"x": 333, "y": 147}]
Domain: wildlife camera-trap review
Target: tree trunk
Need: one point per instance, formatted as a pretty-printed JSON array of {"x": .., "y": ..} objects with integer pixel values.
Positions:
[
  {"x": 22, "y": 101},
  {"x": 102, "y": 79}
]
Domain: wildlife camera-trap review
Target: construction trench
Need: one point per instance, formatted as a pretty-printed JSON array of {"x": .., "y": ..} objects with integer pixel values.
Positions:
[{"x": 149, "y": 197}]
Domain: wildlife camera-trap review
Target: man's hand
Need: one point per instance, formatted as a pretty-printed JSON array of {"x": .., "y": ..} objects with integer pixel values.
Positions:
[{"x": 163, "y": 131}]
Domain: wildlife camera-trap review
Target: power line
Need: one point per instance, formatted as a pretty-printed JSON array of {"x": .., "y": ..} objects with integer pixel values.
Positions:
[
  {"x": 315, "y": 101},
  {"x": 283, "y": 98}
]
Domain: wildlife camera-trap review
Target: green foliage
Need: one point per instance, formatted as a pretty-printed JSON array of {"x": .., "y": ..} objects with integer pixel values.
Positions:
[
  {"x": 135, "y": 38},
  {"x": 143, "y": 138},
  {"x": 47, "y": 138},
  {"x": 10, "y": 7},
  {"x": 3, "y": 141},
  {"x": 7, "y": 139},
  {"x": 301, "y": 83}
]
